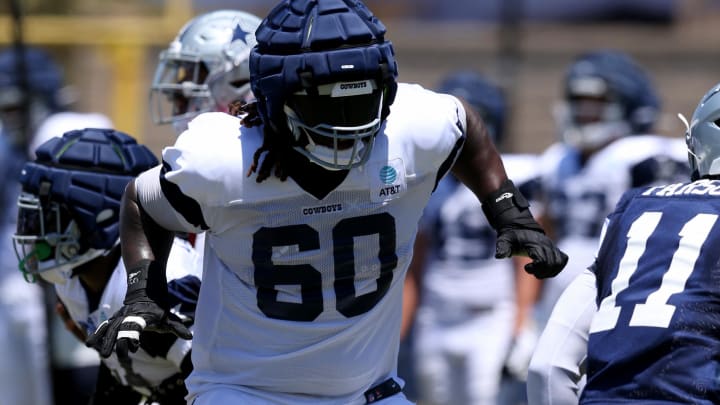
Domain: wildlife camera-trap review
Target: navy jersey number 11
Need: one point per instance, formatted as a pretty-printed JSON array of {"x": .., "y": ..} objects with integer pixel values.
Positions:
[
  {"x": 656, "y": 334},
  {"x": 655, "y": 311}
]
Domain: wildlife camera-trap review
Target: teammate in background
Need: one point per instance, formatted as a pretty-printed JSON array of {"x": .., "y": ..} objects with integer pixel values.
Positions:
[
  {"x": 31, "y": 89},
  {"x": 204, "y": 69},
  {"x": 654, "y": 336},
  {"x": 5, "y": 171},
  {"x": 75, "y": 366},
  {"x": 47, "y": 105},
  {"x": 470, "y": 302},
  {"x": 588, "y": 178},
  {"x": 310, "y": 202},
  {"x": 68, "y": 235},
  {"x": 607, "y": 97}
]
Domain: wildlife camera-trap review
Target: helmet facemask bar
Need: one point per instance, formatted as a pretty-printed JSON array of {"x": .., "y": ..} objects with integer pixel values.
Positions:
[
  {"x": 357, "y": 117},
  {"x": 46, "y": 243},
  {"x": 179, "y": 91}
]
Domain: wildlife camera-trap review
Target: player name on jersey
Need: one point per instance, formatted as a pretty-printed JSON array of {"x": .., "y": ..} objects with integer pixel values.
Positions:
[{"x": 701, "y": 187}]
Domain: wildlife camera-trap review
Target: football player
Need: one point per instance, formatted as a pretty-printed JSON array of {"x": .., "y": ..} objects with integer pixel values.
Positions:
[
  {"x": 653, "y": 338},
  {"x": 462, "y": 336},
  {"x": 204, "y": 68},
  {"x": 30, "y": 90},
  {"x": 34, "y": 107},
  {"x": 74, "y": 366},
  {"x": 606, "y": 97},
  {"x": 68, "y": 235},
  {"x": 311, "y": 204}
]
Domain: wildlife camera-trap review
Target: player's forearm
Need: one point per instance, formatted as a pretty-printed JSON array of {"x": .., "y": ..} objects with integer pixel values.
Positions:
[
  {"x": 145, "y": 247},
  {"x": 479, "y": 165}
]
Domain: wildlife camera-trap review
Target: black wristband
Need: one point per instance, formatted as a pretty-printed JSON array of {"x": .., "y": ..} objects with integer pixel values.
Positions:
[
  {"x": 507, "y": 207},
  {"x": 141, "y": 286}
]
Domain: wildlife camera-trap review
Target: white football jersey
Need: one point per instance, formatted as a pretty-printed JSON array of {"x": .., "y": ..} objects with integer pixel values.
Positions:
[
  {"x": 579, "y": 197},
  {"x": 149, "y": 367},
  {"x": 58, "y": 123},
  {"x": 300, "y": 294}
]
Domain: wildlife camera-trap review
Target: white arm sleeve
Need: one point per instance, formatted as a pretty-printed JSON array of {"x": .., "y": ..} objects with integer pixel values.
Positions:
[{"x": 558, "y": 363}]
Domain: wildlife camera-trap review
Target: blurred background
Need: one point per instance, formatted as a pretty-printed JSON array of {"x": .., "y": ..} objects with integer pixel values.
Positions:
[{"x": 108, "y": 49}]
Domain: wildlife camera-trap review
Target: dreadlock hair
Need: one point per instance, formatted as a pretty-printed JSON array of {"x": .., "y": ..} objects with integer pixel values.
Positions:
[{"x": 276, "y": 147}]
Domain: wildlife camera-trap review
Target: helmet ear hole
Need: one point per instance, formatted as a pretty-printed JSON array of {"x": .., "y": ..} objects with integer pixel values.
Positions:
[{"x": 70, "y": 250}]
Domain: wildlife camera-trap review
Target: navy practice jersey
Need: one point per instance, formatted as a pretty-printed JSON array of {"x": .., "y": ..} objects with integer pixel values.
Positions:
[
  {"x": 656, "y": 335},
  {"x": 581, "y": 194}
]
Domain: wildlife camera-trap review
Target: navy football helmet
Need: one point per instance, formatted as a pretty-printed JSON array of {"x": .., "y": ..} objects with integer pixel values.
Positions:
[
  {"x": 703, "y": 136},
  {"x": 323, "y": 72},
  {"x": 487, "y": 98},
  {"x": 205, "y": 68},
  {"x": 69, "y": 207},
  {"x": 43, "y": 81},
  {"x": 606, "y": 96}
]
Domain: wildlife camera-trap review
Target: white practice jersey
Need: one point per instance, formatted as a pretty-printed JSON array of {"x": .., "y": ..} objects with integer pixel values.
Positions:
[
  {"x": 300, "y": 294},
  {"x": 462, "y": 269},
  {"x": 579, "y": 197},
  {"x": 151, "y": 364},
  {"x": 58, "y": 123}
]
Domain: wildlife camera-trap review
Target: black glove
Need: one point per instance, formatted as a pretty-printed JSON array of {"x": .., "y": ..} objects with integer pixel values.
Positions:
[
  {"x": 519, "y": 234},
  {"x": 139, "y": 313}
]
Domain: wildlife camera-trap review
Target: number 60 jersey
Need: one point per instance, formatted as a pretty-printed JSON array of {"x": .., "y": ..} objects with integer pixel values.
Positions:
[
  {"x": 303, "y": 294},
  {"x": 656, "y": 335}
]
